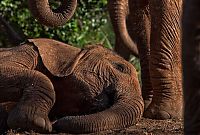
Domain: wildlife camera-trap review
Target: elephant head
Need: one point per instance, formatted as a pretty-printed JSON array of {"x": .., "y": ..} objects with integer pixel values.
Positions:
[
  {"x": 104, "y": 77},
  {"x": 104, "y": 83},
  {"x": 44, "y": 14}
]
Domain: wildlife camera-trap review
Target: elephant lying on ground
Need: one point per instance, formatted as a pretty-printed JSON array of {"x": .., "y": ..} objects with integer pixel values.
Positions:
[
  {"x": 155, "y": 26},
  {"x": 191, "y": 66},
  {"x": 87, "y": 90}
]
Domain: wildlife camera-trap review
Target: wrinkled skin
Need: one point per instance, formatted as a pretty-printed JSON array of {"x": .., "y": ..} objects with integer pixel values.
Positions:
[
  {"x": 83, "y": 91},
  {"x": 154, "y": 25},
  {"x": 119, "y": 11},
  {"x": 191, "y": 70},
  {"x": 42, "y": 11}
]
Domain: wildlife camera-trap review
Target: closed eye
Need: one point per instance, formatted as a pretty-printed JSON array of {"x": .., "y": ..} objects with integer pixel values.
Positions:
[{"x": 120, "y": 67}]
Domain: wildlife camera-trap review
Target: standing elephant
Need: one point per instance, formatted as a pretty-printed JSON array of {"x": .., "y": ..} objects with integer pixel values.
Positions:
[
  {"x": 86, "y": 90},
  {"x": 191, "y": 67},
  {"x": 154, "y": 25}
]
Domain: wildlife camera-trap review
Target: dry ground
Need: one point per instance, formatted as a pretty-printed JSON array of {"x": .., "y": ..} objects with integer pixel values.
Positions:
[{"x": 144, "y": 127}]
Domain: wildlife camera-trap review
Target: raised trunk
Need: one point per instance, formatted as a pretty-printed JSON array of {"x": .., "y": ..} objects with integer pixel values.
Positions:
[
  {"x": 191, "y": 70},
  {"x": 44, "y": 14},
  {"x": 122, "y": 114},
  {"x": 118, "y": 10}
]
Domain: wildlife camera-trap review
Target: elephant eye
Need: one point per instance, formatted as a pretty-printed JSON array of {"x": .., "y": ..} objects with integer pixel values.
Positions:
[{"x": 120, "y": 67}]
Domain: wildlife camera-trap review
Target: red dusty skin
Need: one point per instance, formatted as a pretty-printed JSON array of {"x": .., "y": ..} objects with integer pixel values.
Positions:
[
  {"x": 44, "y": 14},
  {"x": 121, "y": 115},
  {"x": 118, "y": 12}
]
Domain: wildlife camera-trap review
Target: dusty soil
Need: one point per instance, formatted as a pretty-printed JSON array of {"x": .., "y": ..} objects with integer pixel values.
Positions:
[{"x": 144, "y": 127}]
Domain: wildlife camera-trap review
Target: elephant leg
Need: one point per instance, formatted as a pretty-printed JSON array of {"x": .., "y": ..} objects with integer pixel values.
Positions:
[
  {"x": 36, "y": 98},
  {"x": 191, "y": 70},
  {"x": 139, "y": 28},
  {"x": 165, "y": 60}
]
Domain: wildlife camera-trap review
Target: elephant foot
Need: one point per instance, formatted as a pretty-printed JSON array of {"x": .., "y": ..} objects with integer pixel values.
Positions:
[
  {"x": 156, "y": 113},
  {"x": 164, "y": 110},
  {"x": 29, "y": 118}
]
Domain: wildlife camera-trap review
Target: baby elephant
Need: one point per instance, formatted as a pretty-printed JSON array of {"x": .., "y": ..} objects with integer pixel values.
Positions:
[{"x": 81, "y": 90}]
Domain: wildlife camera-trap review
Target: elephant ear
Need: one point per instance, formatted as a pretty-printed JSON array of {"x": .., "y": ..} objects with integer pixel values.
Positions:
[{"x": 59, "y": 58}]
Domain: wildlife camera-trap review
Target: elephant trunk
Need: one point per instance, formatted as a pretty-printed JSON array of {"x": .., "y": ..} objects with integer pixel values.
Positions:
[
  {"x": 122, "y": 114},
  {"x": 118, "y": 10},
  {"x": 44, "y": 14}
]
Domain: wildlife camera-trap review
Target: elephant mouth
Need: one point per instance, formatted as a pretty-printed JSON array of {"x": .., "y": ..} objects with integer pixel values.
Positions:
[{"x": 103, "y": 101}]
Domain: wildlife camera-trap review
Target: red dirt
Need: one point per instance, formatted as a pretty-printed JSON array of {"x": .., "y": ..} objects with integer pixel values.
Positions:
[{"x": 144, "y": 127}]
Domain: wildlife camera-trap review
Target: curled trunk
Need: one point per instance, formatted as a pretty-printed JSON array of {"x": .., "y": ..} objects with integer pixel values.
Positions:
[
  {"x": 122, "y": 114},
  {"x": 44, "y": 14},
  {"x": 118, "y": 10}
]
